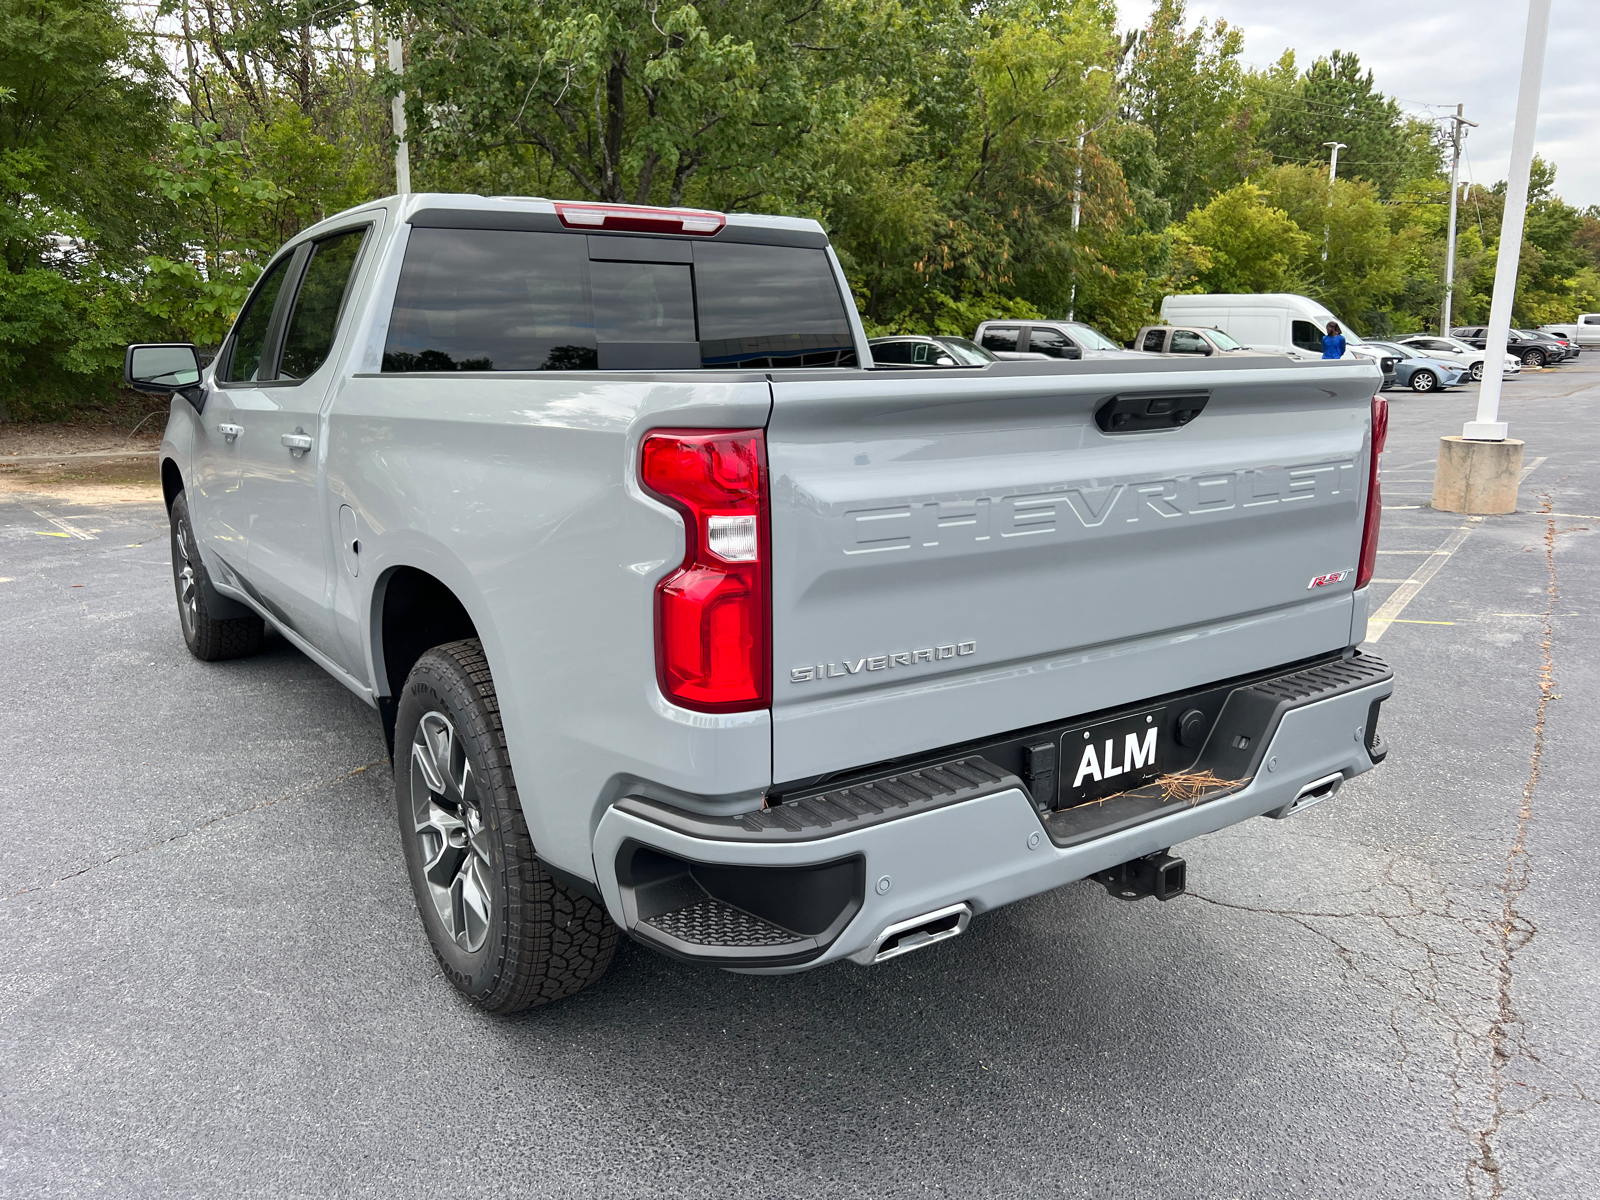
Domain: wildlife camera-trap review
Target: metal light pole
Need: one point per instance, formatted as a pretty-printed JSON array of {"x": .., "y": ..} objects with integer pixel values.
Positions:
[
  {"x": 1450, "y": 241},
  {"x": 1488, "y": 427},
  {"x": 1333, "y": 174},
  {"x": 402, "y": 152}
]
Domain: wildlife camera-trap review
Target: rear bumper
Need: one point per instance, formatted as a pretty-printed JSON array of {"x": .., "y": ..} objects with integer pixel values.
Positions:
[{"x": 983, "y": 852}]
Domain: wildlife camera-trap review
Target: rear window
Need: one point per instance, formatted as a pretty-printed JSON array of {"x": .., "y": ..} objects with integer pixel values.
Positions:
[
  {"x": 1001, "y": 337},
  {"x": 515, "y": 300}
]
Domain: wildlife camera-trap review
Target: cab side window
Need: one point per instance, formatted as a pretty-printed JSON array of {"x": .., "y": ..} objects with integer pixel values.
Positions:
[
  {"x": 1307, "y": 336},
  {"x": 1052, "y": 342},
  {"x": 1153, "y": 341},
  {"x": 250, "y": 333},
  {"x": 1185, "y": 341},
  {"x": 891, "y": 352},
  {"x": 1000, "y": 338},
  {"x": 309, "y": 339}
]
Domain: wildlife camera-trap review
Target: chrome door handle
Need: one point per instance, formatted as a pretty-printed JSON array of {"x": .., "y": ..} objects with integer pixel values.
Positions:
[
  {"x": 298, "y": 442},
  {"x": 230, "y": 431}
]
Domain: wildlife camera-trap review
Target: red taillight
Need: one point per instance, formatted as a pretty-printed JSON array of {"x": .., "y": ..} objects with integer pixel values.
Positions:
[
  {"x": 1369, "y": 531},
  {"x": 713, "y": 623},
  {"x": 634, "y": 218}
]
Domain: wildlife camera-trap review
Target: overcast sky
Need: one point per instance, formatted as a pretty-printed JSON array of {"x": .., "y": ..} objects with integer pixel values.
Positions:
[{"x": 1432, "y": 57}]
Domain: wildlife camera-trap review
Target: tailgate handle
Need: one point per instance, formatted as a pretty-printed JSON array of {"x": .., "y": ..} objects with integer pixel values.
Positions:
[{"x": 1149, "y": 412}]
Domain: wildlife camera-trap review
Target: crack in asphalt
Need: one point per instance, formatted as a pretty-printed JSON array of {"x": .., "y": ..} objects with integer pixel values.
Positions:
[
  {"x": 298, "y": 793},
  {"x": 1498, "y": 1035},
  {"x": 1514, "y": 931}
]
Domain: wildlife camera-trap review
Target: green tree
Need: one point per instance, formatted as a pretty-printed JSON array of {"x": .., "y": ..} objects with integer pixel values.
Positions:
[
  {"x": 1187, "y": 88},
  {"x": 1239, "y": 243},
  {"x": 81, "y": 110},
  {"x": 1364, "y": 267},
  {"x": 1335, "y": 101}
]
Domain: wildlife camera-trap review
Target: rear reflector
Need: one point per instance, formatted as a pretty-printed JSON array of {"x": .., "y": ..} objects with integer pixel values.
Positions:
[
  {"x": 713, "y": 619},
  {"x": 633, "y": 218},
  {"x": 1369, "y": 531}
]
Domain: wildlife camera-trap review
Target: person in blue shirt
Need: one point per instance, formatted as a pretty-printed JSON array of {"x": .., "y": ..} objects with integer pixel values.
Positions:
[{"x": 1333, "y": 342}]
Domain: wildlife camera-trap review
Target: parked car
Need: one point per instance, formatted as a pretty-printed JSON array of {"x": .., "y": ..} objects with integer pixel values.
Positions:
[
  {"x": 1384, "y": 357},
  {"x": 1421, "y": 373},
  {"x": 1052, "y": 339},
  {"x": 909, "y": 352},
  {"x": 582, "y": 499},
  {"x": 1451, "y": 349},
  {"x": 1569, "y": 345},
  {"x": 1534, "y": 350},
  {"x": 1278, "y": 321},
  {"x": 1190, "y": 339},
  {"x": 1584, "y": 332}
]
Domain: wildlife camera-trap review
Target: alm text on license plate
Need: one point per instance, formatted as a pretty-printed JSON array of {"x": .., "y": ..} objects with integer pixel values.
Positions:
[{"x": 1113, "y": 756}]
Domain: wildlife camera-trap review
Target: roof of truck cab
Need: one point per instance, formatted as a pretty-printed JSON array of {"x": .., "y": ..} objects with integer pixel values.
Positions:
[{"x": 492, "y": 209}]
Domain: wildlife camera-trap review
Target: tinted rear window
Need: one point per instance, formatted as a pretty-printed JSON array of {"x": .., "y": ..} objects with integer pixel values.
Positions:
[{"x": 511, "y": 300}]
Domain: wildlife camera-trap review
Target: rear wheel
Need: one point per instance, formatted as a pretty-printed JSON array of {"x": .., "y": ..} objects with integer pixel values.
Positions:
[
  {"x": 1424, "y": 381},
  {"x": 1533, "y": 358},
  {"x": 208, "y": 637},
  {"x": 506, "y": 934}
]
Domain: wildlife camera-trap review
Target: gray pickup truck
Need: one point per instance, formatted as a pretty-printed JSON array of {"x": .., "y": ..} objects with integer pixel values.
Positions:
[{"x": 683, "y": 620}]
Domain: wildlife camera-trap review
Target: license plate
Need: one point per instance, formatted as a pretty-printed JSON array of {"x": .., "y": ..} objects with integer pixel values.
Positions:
[{"x": 1113, "y": 756}]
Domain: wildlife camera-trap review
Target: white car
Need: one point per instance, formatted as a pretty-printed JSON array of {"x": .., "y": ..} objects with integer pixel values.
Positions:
[{"x": 1454, "y": 349}]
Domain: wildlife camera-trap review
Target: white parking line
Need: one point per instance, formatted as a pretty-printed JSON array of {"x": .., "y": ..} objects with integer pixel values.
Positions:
[
  {"x": 1378, "y": 624},
  {"x": 69, "y": 530}
]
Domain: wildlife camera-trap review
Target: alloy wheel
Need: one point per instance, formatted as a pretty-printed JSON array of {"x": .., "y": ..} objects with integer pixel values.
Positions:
[
  {"x": 188, "y": 585},
  {"x": 452, "y": 840},
  {"x": 1477, "y": 371}
]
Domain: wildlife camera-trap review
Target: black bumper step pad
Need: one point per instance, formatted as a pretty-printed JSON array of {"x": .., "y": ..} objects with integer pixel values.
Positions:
[
  {"x": 712, "y": 922},
  {"x": 826, "y": 813}
]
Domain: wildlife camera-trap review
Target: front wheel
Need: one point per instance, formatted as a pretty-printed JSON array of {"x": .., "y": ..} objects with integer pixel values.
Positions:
[
  {"x": 209, "y": 636},
  {"x": 1477, "y": 371},
  {"x": 506, "y": 934},
  {"x": 1533, "y": 358},
  {"x": 1424, "y": 381}
]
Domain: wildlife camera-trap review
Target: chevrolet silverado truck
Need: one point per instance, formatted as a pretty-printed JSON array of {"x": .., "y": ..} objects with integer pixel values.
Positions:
[{"x": 683, "y": 620}]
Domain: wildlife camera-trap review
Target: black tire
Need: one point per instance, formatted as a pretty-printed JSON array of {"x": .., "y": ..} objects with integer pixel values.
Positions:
[
  {"x": 467, "y": 847},
  {"x": 214, "y": 627},
  {"x": 1424, "y": 381},
  {"x": 1477, "y": 371},
  {"x": 1533, "y": 358}
]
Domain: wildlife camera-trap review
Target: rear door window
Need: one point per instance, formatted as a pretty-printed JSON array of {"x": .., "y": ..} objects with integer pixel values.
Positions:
[
  {"x": 1001, "y": 338},
  {"x": 315, "y": 320},
  {"x": 1050, "y": 341},
  {"x": 513, "y": 300},
  {"x": 255, "y": 322},
  {"x": 1153, "y": 341}
]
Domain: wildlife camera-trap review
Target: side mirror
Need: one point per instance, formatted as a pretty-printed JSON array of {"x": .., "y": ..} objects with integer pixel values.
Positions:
[
  {"x": 1071, "y": 352},
  {"x": 164, "y": 368}
]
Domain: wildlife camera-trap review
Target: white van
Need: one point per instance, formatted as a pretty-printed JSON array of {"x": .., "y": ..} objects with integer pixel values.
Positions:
[{"x": 1279, "y": 321}]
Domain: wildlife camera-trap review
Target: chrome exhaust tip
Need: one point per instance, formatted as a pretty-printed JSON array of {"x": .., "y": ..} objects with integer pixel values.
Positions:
[
  {"x": 905, "y": 936},
  {"x": 1314, "y": 792}
]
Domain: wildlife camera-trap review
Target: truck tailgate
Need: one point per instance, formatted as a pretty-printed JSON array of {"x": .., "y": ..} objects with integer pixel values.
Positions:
[{"x": 960, "y": 554}]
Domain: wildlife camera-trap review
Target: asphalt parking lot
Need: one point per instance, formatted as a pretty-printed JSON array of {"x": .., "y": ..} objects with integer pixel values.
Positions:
[{"x": 214, "y": 983}]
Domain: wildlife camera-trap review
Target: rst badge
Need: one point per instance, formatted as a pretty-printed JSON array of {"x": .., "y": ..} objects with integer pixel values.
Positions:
[{"x": 1324, "y": 580}]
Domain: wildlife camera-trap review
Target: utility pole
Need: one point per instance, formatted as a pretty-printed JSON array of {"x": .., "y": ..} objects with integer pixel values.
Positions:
[
  {"x": 402, "y": 152},
  {"x": 1450, "y": 242},
  {"x": 1333, "y": 174},
  {"x": 1077, "y": 211}
]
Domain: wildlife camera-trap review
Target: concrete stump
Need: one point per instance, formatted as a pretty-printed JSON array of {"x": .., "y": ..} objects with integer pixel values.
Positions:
[{"x": 1477, "y": 477}]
